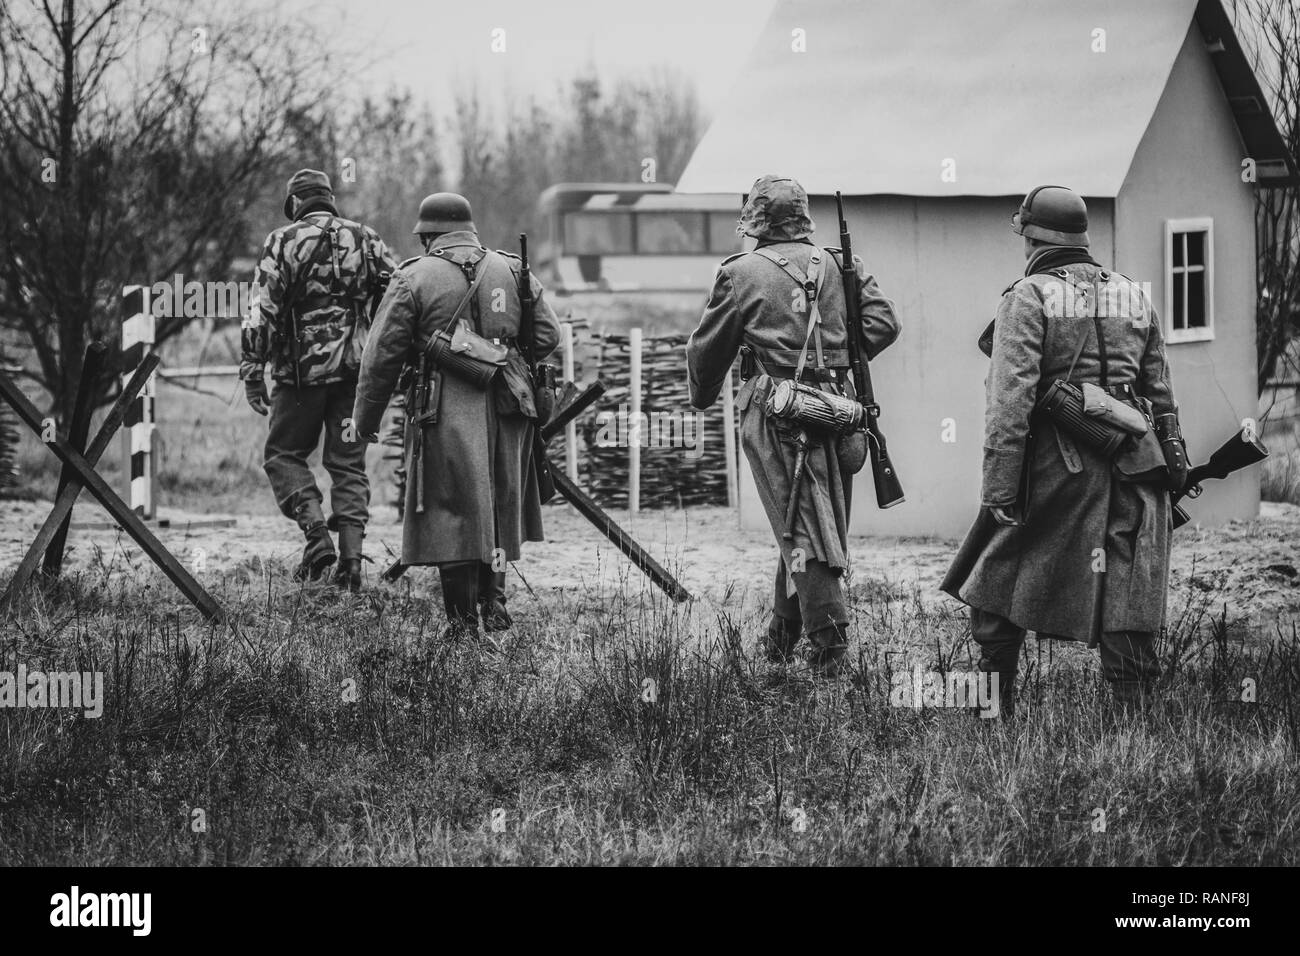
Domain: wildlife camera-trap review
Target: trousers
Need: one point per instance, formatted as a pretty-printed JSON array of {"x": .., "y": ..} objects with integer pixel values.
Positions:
[
  {"x": 818, "y": 601},
  {"x": 1127, "y": 657},
  {"x": 298, "y": 416}
]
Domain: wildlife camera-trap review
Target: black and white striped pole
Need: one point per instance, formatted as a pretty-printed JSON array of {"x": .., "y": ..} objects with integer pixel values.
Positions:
[{"x": 137, "y": 437}]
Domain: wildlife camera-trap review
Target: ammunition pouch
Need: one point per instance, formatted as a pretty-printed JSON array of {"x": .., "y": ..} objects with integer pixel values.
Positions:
[
  {"x": 514, "y": 392},
  {"x": 462, "y": 352},
  {"x": 544, "y": 384}
]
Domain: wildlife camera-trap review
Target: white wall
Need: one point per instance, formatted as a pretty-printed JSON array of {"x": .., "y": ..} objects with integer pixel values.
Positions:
[{"x": 1189, "y": 165}]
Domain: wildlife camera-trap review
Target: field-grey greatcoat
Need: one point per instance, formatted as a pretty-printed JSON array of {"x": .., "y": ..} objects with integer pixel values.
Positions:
[
  {"x": 480, "y": 492},
  {"x": 1092, "y": 552},
  {"x": 751, "y": 304}
]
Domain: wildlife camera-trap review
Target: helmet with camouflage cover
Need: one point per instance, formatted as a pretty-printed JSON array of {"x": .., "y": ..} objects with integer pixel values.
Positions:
[
  {"x": 777, "y": 209},
  {"x": 1053, "y": 214},
  {"x": 444, "y": 212}
]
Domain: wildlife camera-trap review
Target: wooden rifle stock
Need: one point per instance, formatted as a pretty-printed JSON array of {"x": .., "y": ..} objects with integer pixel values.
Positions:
[{"x": 1239, "y": 451}]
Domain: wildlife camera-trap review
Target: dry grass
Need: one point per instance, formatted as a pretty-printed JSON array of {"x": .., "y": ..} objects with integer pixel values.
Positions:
[
  {"x": 734, "y": 762},
  {"x": 250, "y": 723}
]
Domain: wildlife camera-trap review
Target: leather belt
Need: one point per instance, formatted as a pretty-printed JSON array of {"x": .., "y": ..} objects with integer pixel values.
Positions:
[{"x": 809, "y": 375}]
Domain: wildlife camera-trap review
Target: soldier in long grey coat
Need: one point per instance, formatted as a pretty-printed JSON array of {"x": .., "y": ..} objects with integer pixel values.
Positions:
[
  {"x": 479, "y": 491},
  {"x": 1066, "y": 543},
  {"x": 757, "y": 304}
]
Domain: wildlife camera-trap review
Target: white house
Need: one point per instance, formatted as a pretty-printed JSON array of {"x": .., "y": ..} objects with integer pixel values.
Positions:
[{"x": 935, "y": 118}]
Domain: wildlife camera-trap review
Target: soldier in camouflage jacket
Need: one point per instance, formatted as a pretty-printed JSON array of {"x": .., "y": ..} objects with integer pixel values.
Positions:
[{"x": 317, "y": 283}]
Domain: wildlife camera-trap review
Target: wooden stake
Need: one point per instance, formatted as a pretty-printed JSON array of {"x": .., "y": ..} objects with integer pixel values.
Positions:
[
  {"x": 570, "y": 430},
  {"x": 634, "y": 424},
  {"x": 729, "y": 439}
]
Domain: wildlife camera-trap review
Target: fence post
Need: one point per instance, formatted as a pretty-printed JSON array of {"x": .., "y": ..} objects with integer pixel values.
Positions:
[
  {"x": 571, "y": 429},
  {"x": 634, "y": 423},
  {"x": 729, "y": 437},
  {"x": 137, "y": 437}
]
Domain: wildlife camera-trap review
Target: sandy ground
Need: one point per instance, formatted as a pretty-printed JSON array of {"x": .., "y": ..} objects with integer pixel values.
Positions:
[{"x": 1253, "y": 567}]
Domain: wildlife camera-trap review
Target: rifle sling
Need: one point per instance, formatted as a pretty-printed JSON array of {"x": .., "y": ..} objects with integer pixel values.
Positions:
[{"x": 866, "y": 392}]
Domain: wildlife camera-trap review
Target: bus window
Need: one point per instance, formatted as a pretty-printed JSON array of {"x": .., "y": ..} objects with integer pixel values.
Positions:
[
  {"x": 597, "y": 233},
  {"x": 679, "y": 233},
  {"x": 722, "y": 233}
]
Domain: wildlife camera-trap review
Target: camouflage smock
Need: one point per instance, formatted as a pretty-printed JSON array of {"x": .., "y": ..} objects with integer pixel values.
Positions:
[{"x": 331, "y": 302}]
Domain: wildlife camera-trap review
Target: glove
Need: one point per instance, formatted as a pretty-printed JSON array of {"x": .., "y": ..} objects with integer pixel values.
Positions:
[{"x": 258, "y": 400}]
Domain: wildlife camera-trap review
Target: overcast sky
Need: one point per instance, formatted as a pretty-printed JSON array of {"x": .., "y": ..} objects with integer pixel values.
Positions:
[{"x": 424, "y": 43}]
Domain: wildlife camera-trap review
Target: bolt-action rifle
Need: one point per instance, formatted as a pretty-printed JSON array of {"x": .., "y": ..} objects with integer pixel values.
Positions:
[
  {"x": 1240, "y": 451},
  {"x": 889, "y": 490}
]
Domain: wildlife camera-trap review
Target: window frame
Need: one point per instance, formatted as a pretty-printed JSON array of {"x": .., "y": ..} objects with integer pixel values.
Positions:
[{"x": 1175, "y": 228}]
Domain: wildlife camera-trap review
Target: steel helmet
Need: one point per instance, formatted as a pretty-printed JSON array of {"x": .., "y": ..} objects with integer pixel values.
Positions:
[
  {"x": 1053, "y": 214},
  {"x": 444, "y": 212}
]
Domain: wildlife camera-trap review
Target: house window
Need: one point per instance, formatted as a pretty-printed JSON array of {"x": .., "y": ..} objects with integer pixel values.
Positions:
[{"x": 1189, "y": 280}]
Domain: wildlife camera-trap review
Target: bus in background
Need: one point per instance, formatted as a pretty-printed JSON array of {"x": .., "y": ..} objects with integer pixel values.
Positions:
[{"x": 624, "y": 254}]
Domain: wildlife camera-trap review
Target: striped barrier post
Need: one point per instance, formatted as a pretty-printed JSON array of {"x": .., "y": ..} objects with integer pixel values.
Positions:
[{"x": 137, "y": 437}]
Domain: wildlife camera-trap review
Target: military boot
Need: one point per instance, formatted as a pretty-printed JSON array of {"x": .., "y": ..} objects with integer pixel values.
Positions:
[
  {"x": 348, "y": 575},
  {"x": 780, "y": 640},
  {"x": 460, "y": 599},
  {"x": 1006, "y": 694},
  {"x": 829, "y": 645},
  {"x": 319, "y": 552},
  {"x": 1132, "y": 698},
  {"x": 492, "y": 599}
]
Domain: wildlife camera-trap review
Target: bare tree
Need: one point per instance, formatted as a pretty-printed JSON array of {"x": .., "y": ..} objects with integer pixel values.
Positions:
[
  {"x": 395, "y": 163},
  {"x": 134, "y": 140},
  {"x": 1270, "y": 34}
]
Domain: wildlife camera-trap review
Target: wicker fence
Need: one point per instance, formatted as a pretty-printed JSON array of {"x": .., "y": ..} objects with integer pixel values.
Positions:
[{"x": 682, "y": 458}]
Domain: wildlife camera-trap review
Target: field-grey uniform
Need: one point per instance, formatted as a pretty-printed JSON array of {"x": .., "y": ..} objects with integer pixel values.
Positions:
[
  {"x": 1090, "y": 559},
  {"x": 753, "y": 304},
  {"x": 481, "y": 499}
]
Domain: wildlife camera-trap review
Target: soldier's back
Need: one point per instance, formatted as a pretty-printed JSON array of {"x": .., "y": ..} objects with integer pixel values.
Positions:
[
  {"x": 1073, "y": 301},
  {"x": 772, "y": 302}
]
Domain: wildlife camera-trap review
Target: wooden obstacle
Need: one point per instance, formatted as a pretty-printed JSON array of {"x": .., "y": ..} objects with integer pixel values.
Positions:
[{"x": 79, "y": 471}]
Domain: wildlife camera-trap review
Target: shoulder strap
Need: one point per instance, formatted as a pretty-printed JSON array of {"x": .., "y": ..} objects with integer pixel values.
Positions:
[
  {"x": 1096, "y": 321},
  {"x": 301, "y": 277},
  {"x": 811, "y": 286},
  {"x": 1083, "y": 335},
  {"x": 460, "y": 309},
  {"x": 786, "y": 266}
]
